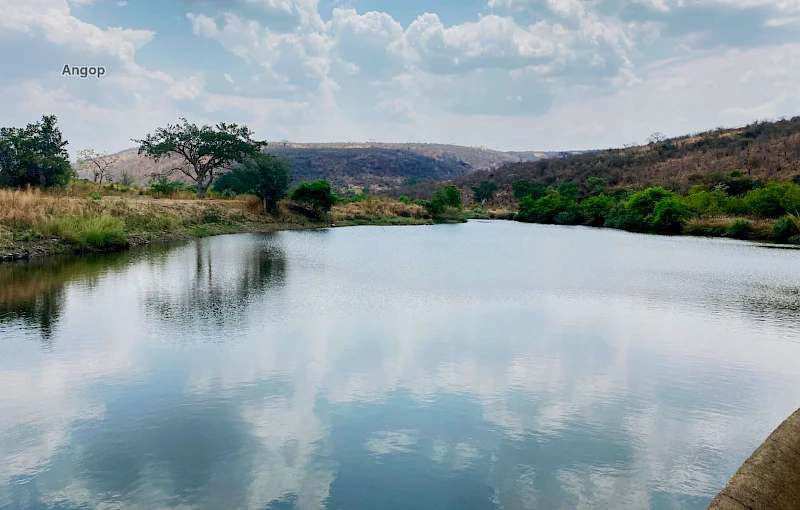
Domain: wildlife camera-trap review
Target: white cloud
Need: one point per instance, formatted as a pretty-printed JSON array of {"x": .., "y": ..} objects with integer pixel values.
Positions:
[{"x": 53, "y": 17}]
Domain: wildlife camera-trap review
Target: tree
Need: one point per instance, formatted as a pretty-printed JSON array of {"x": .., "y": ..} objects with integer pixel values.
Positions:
[
  {"x": 203, "y": 151},
  {"x": 316, "y": 196},
  {"x": 127, "y": 179},
  {"x": 656, "y": 137},
  {"x": 34, "y": 155},
  {"x": 523, "y": 188},
  {"x": 264, "y": 175},
  {"x": 99, "y": 164},
  {"x": 484, "y": 191}
]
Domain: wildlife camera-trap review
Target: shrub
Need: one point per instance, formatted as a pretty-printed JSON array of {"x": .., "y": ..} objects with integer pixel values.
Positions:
[
  {"x": 785, "y": 228},
  {"x": 766, "y": 202},
  {"x": 404, "y": 199},
  {"x": 95, "y": 195},
  {"x": 596, "y": 208},
  {"x": 163, "y": 186},
  {"x": 740, "y": 229},
  {"x": 316, "y": 196},
  {"x": 669, "y": 216}
]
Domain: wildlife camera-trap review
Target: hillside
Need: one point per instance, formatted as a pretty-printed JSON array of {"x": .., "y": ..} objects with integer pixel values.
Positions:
[
  {"x": 348, "y": 165},
  {"x": 761, "y": 150}
]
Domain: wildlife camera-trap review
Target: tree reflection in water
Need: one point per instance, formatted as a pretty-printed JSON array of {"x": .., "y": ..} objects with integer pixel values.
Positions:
[{"x": 216, "y": 279}]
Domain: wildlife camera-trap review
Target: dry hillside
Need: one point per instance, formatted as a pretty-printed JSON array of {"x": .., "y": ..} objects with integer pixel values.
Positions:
[{"x": 761, "y": 150}]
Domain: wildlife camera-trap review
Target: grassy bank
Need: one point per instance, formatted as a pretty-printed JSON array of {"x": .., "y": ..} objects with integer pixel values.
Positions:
[{"x": 35, "y": 223}]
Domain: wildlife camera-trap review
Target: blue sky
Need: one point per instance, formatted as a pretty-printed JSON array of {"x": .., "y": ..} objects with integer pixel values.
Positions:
[{"x": 505, "y": 74}]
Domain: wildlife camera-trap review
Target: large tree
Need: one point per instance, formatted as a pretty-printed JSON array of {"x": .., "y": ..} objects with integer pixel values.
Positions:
[
  {"x": 263, "y": 175},
  {"x": 316, "y": 196},
  {"x": 202, "y": 152},
  {"x": 34, "y": 155},
  {"x": 485, "y": 191}
]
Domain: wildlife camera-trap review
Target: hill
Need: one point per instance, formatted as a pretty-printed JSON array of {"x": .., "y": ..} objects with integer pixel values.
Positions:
[
  {"x": 348, "y": 165},
  {"x": 766, "y": 150}
]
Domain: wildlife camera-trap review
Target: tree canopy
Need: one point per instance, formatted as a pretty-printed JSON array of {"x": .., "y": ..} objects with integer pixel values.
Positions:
[
  {"x": 263, "y": 175},
  {"x": 316, "y": 196},
  {"x": 34, "y": 155},
  {"x": 484, "y": 191},
  {"x": 202, "y": 151}
]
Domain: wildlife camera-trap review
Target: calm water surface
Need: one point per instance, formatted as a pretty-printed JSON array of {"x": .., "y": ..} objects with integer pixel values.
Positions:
[{"x": 478, "y": 366}]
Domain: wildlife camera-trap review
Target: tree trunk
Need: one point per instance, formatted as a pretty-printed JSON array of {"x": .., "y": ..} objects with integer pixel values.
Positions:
[{"x": 201, "y": 190}]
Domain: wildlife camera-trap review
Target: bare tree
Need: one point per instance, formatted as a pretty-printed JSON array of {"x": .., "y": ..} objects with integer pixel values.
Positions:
[
  {"x": 657, "y": 137},
  {"x": 98, "y": 163}
]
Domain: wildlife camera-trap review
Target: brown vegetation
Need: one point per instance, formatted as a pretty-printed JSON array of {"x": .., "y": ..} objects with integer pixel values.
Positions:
[{"x": 762, "y": 150}]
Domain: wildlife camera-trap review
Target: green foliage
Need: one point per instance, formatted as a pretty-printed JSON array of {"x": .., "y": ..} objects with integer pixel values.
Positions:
[
  {"x": 98, "y": 233},
  {"x": 669, "y": 216},
  {"x": 643, "y": 203},
  {"x": 785, "y": 228},
  {"x": 204, "y": 150},
  {"x": 735, "y": 173},
  {"x": 595, "y": 186},
  {"x": 596, "y": 208},
  {"x": 546, "y": 209},
  {"x": 164, "y": 186},
  {"x": 410, "y": 181},
  {"x": 484, "y": 191},
  {"x": 740, "y": 229},
  {"x": 706, "y": 203},
  {"x": 569, "y": 190},
  {"x": 95, "y": 195},
  {"x": 523, "y": 188},
  {"x": 316, "y": 196},
  {"x": 263, "y": 175},
  {"x": 34, "y": 156},
  {"x": 404, "y": 199}
]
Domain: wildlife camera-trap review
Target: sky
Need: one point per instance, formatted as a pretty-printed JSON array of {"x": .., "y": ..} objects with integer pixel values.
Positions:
[{"x": 504, "y": 74}]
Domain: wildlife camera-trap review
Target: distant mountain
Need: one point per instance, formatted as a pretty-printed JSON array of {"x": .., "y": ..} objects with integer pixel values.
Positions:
[
  {"x": 351, "y": 164},
  {"x": 764, "y": 150}
]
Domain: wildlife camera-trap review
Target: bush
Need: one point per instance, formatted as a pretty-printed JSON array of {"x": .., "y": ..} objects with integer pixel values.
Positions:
[
  {"x": 766, "y": 202},
  {"x": 785, "y": 228},
  {"x": 596, "y": 208},
  {"x": 95, "y": 195},
  {"x": 483, "y": 192},
  {"x": 669, "y": 216},
  {"x": 316, "y": 196},
  {"x": 163, "y": 186},
  {"x": 404, "y": 199},
  {"x": 740, "y": 229}
]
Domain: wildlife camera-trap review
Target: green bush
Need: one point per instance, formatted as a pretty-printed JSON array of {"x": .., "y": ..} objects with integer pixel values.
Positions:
[
  {"x": 669, "y": 216},
  {"x": 785, "y": 228},
  {"x": 316, "y": 196},
  {"x": 95, "y": 195},
  {"x": 163, "y": 186},
  {"x": 740, "y": 229},
  {"x": 596, "y": 208},
  {"x": 404, "y": 199}
]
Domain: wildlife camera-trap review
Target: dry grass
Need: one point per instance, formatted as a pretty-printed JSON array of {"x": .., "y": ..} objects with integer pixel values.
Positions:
[
  {"x": 90, "y": 224},
  {"x": 378, "y": 209}
]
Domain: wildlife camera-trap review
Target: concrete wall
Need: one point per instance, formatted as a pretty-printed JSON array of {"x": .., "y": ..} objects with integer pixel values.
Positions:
[{"x": 770, "y": 478}]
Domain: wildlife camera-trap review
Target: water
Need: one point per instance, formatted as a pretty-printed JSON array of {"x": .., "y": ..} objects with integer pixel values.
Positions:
[{"x": 477, "y": 366}]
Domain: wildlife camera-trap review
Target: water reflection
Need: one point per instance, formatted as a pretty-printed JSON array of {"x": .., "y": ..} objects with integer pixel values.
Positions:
[
  {"x": 371, "y": 368},
  {"x": 215, "y": 282},
  {"x": 33, "y": 292}
]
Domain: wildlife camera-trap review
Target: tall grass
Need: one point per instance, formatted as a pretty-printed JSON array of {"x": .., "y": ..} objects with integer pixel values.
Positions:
[{"x": 87, "y": 233}]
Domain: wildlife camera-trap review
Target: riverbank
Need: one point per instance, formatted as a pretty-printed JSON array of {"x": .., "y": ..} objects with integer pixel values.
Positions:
[
  {"x": 770, "y": 478},
  {"x": 34, "y": 224}
]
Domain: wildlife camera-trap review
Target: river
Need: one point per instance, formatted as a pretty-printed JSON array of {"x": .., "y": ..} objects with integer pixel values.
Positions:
[{"x": 478, "y": 366}]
